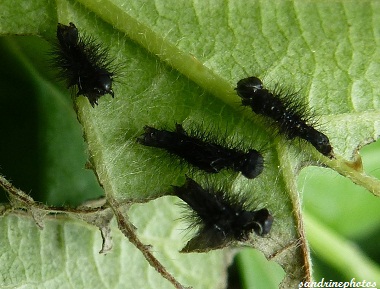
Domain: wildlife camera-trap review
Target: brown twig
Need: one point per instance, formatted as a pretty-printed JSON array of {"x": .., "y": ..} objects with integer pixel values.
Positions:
[{"x": 127, "y": 229}]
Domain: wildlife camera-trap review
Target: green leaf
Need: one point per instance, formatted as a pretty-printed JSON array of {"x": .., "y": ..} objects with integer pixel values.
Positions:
[
  {"x": 341, "y": 253},
  {"x": 342, "y": 222},
  {"x": 66, "y": 253},
  {"x": 181, "y": 61}
]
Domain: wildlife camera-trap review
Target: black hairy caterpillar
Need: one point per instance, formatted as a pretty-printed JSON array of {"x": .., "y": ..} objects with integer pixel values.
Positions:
[
  {"x": 290, "y": 114},
  {"x": 83, "y": 62},
  {"x": 219, "y": 217},
  {"x": 207, "y": 156}
]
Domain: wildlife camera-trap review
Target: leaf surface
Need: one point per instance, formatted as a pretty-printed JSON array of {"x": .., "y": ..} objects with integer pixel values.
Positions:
[{"x": 180, "y": 62}]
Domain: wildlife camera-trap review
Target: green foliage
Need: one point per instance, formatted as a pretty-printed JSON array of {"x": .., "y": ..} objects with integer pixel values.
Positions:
[{"x": 180, "y": 62}]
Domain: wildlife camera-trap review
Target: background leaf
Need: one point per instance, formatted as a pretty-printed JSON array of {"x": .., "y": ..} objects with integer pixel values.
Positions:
[{"x": 334, "y": 63}]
